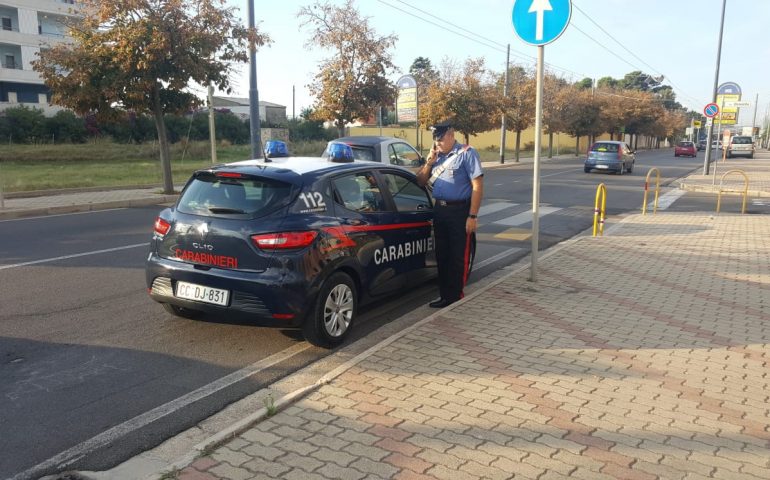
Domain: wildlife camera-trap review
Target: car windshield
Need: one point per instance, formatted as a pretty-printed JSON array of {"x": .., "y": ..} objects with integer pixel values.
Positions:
[
  {"x": 208, "y": 194},
  {"x": 742, "y": 140},
  {"x": 604, "y": 147}
]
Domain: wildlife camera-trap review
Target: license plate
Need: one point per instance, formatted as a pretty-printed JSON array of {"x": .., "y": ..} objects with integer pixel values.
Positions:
[
  {"x": 199, "y": 293},
  {"x": 602, "y": 166}
]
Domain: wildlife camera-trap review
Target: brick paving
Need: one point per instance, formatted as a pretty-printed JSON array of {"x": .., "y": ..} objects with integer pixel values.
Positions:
[{"x": 639, "y": 355}]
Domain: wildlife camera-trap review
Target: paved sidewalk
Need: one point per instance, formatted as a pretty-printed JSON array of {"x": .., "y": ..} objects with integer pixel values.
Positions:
[
  {"x": 641, "y": 354},
  {"x": 757, "y": 169}
]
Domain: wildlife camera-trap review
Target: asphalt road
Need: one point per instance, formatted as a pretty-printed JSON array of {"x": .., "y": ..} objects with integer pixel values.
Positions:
[{"x": 92, "y": 372}]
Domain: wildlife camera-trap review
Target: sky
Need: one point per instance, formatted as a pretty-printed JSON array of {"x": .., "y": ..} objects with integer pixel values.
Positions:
[{"x": 674, "y": 38}]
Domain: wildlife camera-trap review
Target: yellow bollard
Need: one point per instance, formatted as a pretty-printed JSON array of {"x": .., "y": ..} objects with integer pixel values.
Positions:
[
  {"x": 657, "y": 191},
  {"x": 745, "y": 189},
  {"x": 599, "y": 212}
]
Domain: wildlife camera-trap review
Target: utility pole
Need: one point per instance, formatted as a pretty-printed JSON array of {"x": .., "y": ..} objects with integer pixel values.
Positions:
[
  {"x": 212, "y": 125},
  {"x": 254, "y": 125},
  {"x": 505, "y": 96},
  {"x": 754, "y": 122},
  {"x": 710, "y": 131}
]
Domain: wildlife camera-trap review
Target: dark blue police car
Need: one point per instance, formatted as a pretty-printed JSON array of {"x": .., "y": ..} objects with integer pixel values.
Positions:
[{"x": 301, "y": 241}]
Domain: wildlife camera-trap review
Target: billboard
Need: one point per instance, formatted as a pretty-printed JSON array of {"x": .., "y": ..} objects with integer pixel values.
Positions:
[
  {"x": 406, "y": 102},
  {"x": 728, "y": 92}
]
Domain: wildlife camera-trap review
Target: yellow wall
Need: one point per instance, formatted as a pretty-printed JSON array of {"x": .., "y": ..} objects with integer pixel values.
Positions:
[{"x": 480, "y": 141}]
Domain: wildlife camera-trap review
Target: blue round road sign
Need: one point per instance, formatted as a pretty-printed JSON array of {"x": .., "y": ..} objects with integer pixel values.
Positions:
[
  {"x": 539, "y": 22},
  {"x": 711, "y": 110}
]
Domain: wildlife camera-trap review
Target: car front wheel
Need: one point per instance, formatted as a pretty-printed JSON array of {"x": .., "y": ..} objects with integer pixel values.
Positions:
[{"x": 335, "y": 310}]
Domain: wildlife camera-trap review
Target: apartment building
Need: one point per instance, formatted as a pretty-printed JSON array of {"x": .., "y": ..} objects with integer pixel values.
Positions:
[{"x": 26, "y": 27}]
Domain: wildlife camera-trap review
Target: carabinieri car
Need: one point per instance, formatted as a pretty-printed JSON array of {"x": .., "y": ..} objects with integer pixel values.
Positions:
[{"x": 299, "y": 241}]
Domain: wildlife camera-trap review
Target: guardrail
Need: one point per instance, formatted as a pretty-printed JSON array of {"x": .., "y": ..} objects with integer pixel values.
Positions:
[
  {"x": 599, "y": 212},
  {"x": 647, "y": 187},
  {"x": 745, "y": 189}
]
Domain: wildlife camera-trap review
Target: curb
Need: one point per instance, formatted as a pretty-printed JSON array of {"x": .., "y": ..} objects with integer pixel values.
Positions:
[{"x": 89, "y": 207}]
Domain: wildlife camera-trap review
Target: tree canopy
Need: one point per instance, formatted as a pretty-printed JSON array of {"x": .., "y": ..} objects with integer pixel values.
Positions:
[
  {"x": 142, "y": 56},
  {"x": 354, "y": 80}
]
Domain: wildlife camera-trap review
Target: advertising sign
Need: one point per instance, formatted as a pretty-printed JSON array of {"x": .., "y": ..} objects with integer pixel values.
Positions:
[
  {"x": 727, "y": 93},
  {"x": 406, "y": 102}
]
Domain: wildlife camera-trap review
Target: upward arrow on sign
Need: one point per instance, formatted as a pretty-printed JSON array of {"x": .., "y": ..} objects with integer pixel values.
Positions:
[{"x": 539, "y": 7}]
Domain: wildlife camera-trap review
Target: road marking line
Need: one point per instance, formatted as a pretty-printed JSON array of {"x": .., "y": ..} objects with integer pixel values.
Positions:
[
  {"x": 525, "y": 217},
  {"x": 74, "y": 255},
  {"x": 667, "y": 199},
  {"x": 499, "y": 256},
  {"x": 520, "y": 234},
  {"x": 495, "y": 207},
  {"x": 69, "y": 456}
]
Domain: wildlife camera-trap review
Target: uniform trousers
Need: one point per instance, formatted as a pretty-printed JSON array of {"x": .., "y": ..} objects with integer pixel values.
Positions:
[{"x": 452, "y": 248}]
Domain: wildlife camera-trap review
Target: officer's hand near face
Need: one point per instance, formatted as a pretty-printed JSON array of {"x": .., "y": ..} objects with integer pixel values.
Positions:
[{"x": 432, "y": 155}]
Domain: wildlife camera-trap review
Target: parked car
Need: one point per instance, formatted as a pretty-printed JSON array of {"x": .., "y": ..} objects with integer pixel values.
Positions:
[
  {"x": 387, "y": 150},
  {"x": 294, "y": 242},
  {"x": 701, "y": 144},
  {"x": 685, "y": 148},
  {"x": 607, "y": 155},
  {"x": 716, "y": 144},
  {"x": 741, "y": 146}
]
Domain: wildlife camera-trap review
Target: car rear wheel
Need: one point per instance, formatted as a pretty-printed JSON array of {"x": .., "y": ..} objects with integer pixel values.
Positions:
[
  {"x": 586, "y": 170},
  {"x": 181, "y": 311},
  {"x": 335, "y": 310}
]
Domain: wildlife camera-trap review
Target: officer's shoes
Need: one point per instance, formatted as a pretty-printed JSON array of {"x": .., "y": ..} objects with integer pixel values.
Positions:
[{"x": 440, "y": 303}]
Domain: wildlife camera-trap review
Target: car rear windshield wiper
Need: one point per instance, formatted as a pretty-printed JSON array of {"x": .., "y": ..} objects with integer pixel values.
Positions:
[{"x": 225, "y": 210}]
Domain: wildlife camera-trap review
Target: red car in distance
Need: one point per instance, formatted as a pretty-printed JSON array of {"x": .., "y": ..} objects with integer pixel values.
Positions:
[{"x": 685, "y": 148}]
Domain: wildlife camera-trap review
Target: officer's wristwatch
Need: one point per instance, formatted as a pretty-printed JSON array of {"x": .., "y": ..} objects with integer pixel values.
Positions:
[{"x": 473, "y": 216}]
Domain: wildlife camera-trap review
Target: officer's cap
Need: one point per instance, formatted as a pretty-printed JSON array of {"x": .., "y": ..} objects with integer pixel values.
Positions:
[{"x": 441, "y": 128}]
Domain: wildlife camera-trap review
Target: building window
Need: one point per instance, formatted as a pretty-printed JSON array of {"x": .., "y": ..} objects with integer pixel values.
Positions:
[
  {"x": 10, "y": 61},
  {"x": 6, "y": 23}
]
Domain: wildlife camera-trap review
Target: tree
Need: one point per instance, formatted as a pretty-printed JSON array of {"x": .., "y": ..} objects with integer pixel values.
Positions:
[
  {"x": 519, "y": 106},
  {"x": 464, "y": 94},
  {"x": 423, "y": 72},
  {"x": 141, "y": 56},
  {"x": 353, "y": 81},
  {"x": 581, "y": 114}
]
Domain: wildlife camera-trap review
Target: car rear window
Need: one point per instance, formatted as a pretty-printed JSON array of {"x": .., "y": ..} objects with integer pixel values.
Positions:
[
  {"x": 604, "y": 147},
  {"x": 742, "y": 140},
  {"x": 208, "y": 194},
  {"x": 685, "y": 144}
]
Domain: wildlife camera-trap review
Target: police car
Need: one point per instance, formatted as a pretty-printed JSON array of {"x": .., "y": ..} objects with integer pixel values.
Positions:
[{"x": 299, "y": 241}]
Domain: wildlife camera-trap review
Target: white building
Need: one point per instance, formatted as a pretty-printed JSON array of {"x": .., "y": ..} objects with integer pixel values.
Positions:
[
  {"x": 271, "y": 113},
  {"x": 26, "y": 27}
]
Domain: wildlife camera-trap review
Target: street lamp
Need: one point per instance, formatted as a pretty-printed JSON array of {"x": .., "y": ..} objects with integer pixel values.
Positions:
[
  {"x": 710, "y": 131},
  {"x": 254, "y": 126}
]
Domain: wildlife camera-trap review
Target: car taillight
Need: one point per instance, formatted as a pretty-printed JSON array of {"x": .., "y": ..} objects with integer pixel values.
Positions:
[
  {"x": 620, "y": 153},
  {"x": 161, "y": 227},
  {"x": 284, "y": 240}
]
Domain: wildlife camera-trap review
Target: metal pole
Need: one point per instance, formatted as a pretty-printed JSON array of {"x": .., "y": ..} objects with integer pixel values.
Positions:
[
  {"x": 212, "y": 126},
  {"x": 417, "y": 142},
  {"x": 2, "y": 198},
  {"x": 255, "y": 128},
  {"x": 754, "y": 122},
  {"x": 707, "y": 157},
  {"x": 505, "y": 96},
  {"x": 536, "y": 168},
  {"x": 719, "y": 132},
  {"x": 293, "y": 101}
]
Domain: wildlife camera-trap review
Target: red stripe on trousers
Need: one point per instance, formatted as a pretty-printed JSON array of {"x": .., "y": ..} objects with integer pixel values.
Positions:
[{"x": 466, "y": 260}]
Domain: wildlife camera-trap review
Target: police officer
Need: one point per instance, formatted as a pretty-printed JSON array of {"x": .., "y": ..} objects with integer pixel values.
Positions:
[{"x": 454, "y": 172}]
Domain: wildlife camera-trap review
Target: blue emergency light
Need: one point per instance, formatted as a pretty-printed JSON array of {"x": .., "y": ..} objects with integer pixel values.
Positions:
[
  {"x": 340, "y": 152},
  {"x": 276, "y": 148}
]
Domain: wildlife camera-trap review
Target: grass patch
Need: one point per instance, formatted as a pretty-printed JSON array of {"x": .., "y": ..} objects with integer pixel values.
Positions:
[{"x": 106, "y": 164}]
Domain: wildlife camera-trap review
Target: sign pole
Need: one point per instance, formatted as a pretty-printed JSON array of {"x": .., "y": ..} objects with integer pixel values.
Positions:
[{"x": 536, "y": 169}]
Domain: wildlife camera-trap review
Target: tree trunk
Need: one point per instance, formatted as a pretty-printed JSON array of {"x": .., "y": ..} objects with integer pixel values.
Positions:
[
  {"x": 518, "y": 144},
  {"x": 577, "y": 145},
  {"x": 467, "y": 138},
  {"x": 165, "y": 152},
  {"x": 550, "y": 144}
]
